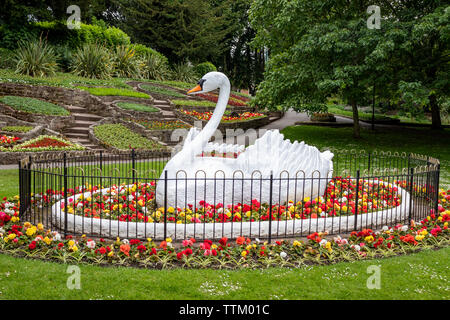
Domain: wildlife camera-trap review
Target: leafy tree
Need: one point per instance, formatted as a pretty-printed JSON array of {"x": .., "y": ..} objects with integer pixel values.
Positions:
[{"x": 320, "y": 48}]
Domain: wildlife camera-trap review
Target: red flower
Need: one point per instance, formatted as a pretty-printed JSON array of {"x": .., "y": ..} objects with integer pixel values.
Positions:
[
  {"x": 223, "y": 241},
  {"x": 32, "y": 245}
]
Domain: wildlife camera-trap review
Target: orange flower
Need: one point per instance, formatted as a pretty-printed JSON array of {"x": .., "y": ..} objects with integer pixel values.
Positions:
[
  {"x": 240, "y": 240},
  {"x": 163, "y": 245},
  {"x": 125, "y": 248}
]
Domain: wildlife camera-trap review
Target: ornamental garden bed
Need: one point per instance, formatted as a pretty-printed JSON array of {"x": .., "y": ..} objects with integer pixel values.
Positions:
[
  {"x": 15, "y": 150},
  {"x": 206, "y": 106},
  {"x": 130, "y": 109},
  {"x": 230, "y": 120},
  {"x": 117, "y": 136},
  {"x": 162, "y": 130},
  {"x": 161, "y": 92},
  {"x": 24, "y": 239}
]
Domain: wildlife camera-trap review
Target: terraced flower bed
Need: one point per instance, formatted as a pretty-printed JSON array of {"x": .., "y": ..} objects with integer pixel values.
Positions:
[
  {"x": 227, "y": 117},
  {"x": 233, "y": 100},
  {"x": 120, "y": 137},
  {"x": 164, "y": 92},
  {"x": 136, "y": 107},
  {"x": 96, "y": 91},
  {"x": 8, "y": 141},
  {"x": 162, "y": 125},
  {"x": 32, "y": 105},
  {"x": 44, "y": 143},
  {"x": 19, "y": 129}
]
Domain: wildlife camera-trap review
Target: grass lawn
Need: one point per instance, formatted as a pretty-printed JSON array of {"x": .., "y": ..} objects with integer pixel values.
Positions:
[
  {"x": 32, "y": 105},
  {"x": 419, "y": 276},
  {"x": 114, "y": 92}
]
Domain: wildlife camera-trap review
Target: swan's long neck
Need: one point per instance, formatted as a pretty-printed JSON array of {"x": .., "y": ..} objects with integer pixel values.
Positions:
[{"x": 197, "y": 145}]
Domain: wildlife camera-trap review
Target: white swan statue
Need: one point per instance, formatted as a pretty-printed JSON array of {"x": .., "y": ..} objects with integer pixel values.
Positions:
[{"x": 192, "y": 178}]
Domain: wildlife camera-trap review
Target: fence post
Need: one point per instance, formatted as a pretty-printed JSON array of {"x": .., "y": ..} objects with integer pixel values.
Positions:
[
  {"x": 133, "y": 164},
  {"x": 436, "y": 199},
  {"x": 165, "y": 204},
  {"x": 411, "y": 181},
  {"x": 270, "y": 206},
  {"x": 356, "y": 200},
  {"x": 65, "y": 194},
  {"x": 368, "y": 170},
  {"x": 101, "y": 169},
  {"x": 21, "y": 193}
]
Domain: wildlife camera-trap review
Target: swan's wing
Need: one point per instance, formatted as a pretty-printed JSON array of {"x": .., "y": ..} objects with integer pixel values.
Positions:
[
  {"x": 224, "y": 148},
  {"x": 273, "y": 153},
  {"x": 193, "y": 132}
]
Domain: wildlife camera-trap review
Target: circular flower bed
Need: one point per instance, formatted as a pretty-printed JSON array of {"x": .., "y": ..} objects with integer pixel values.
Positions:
[
  {"x": 43, "y": 143},
  {"x": 8, "y": 141},
  {"x": 37, "y": 241}
]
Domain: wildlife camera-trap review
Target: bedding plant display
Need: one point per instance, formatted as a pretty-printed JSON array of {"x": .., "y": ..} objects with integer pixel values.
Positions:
[
  {"x": 162, "y": 125},
  {"x": 44, "y": 143},
  {"x": 227, "y": 117},
  {"x": 27, "y": 240}
]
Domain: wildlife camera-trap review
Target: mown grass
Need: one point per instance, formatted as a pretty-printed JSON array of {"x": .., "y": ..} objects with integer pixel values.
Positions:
[{"x": 420, "y": 276}]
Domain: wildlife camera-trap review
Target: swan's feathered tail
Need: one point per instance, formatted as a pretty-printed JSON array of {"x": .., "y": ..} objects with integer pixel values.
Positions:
[{"x": 273, "y": 153}]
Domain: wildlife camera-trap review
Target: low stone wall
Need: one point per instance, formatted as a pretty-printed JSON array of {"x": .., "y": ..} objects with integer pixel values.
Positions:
[{"x": 15, "y": 157}]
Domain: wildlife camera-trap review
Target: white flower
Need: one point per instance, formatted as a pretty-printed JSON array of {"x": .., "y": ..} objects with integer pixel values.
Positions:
[
  {"x": 356, "y": 247},
  {"x": 2, "y": 230},
  {"x": 130, "y": 198},
  {"x": 257, "y": 240},
  {"x": 323, "y": 242},
  {"x": 283, "y": 255},
  {"x": 125, "y": 241},
  {"x": 385, "y": 228},
  {"x": 90, "y": 244},
  {"x": 404, "y": 228},
  {"x": 56, "y": 236}
]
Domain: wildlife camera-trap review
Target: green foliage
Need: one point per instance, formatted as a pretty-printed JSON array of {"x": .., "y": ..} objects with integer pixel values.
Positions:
[
  {"x": 155, "y": 67},
  {"x": 203, "y": 68},
  {"x": 21, "y": 129},
  {"x": 6, "y": 59},
  {"x": 126, "y": 64},
  {"x": 32, "y": 105},
  {"x": 184, "y": 72},
  {"x": 114, "y": 92},
  {"x": 120, "y": 137},
  {"x": 35, "y": 58},
  {"x": 162, "y": 91},
  {"x": 92, "y": 61},
  {"x": 137, "y": 107},
  {"x": 143, "y": 51},
  {"x": 193, "y": 103},
  {"x": 66, "y": 80}
]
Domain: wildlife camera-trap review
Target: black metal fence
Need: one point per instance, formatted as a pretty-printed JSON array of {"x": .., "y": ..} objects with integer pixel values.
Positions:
[{"x": 116, "y": 195}]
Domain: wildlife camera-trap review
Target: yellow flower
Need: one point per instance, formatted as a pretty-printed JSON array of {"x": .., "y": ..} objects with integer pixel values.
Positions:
[
  {"x": 168, "y": 239},
  {"x": 71, "y": 243},
  {"x": 369, "y": 239},
  {"x": 237, "y": 215},
  {"x": 249, "y": 247},
  {"x": 249, "y": 213},
  {"x": 420, "y": 237},
  {"x": 27, "y": 224},
  {"x": 424, "y": 232},
  {"x": 74, "y": 248},
  {"x": 15, "y": 219},
  {"x": 149, "y": 239},
  {"x": 214, "y": 246},
  {"x": 47, "y": 240},
  {"x": 244, "y": 253},
  {"x": 171, "y": 210},
  {"x": 31, "y": 231},
  {"x": 111, "y": 253},
  {"x": 296, "y": 243},
  {"x": 179, "y": 222},
  {"x": 40, "y": 226},
  {"x": 11, "y": 236}
]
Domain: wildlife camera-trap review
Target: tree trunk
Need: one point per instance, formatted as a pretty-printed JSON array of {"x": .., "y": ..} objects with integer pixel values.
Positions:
[
  {"x": 435, "y": 113},
  {"x": 356, "y": 127}
]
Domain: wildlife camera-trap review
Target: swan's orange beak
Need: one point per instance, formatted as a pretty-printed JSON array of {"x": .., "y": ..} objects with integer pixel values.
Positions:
[{"x": 196, "y": 89}]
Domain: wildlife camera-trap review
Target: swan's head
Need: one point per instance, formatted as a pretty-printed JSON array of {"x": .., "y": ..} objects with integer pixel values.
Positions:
[{"x": 209, "y": 82}]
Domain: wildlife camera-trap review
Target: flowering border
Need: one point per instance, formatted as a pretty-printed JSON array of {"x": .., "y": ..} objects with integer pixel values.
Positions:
[{"x": 34, "y": 241}]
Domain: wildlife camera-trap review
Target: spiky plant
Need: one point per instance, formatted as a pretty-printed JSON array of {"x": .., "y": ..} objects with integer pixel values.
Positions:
[
  {"x": 184, "y": 72},
  {"x": 155, "y": 68},
  {"x": 35, "y": 58},
  {"x": 93, "y": 60},
  {"x": 126, "y": 64}
]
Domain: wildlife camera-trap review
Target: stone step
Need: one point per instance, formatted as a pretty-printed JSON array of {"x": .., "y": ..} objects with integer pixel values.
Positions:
[
  {"x": 76, "y": 109},
  {"x": 164, "y": 107},
  {"x": 81, "y": 141},
  {"x": 75, "y": 135},
  {"x": 84, "y": 123},
  {"x": 160, "y": 102},
  {"x": 86, "y": 117},
  {"x": 79, "y": 130}
]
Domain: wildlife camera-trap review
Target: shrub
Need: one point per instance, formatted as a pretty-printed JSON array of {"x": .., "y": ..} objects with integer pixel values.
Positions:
[
  {"x": 6, "y": 59},
  {"x": 155, "y": 68},
  {"x": 64, "y": 57},
  {"x": 120, "y": 137},
  {"x": 126, "y": 64},
  {"x": 137, "y": 107},
  {"x": 143, "y": 52},
  {"x": 32, "y": 105},
  {"x": 184, "y": 72},
  {"x": 35, "y": 58},
  {"x": 114, "y": 92},
  {"x": 92, "y": 61},
  {"x": 203, "y": 68}
]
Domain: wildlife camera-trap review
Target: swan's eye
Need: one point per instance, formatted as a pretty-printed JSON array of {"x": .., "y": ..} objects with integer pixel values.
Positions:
[{"x": 201, "y": 82}]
